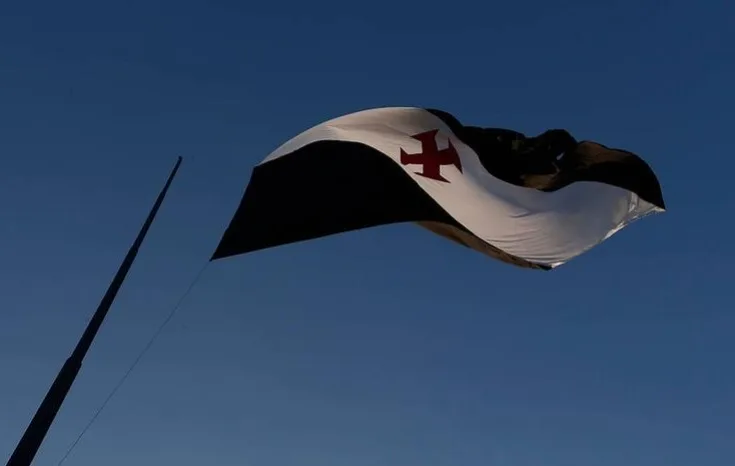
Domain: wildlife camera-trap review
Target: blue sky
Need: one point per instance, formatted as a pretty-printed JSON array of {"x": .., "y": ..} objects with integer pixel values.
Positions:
[{"x": 382, "y": 347}]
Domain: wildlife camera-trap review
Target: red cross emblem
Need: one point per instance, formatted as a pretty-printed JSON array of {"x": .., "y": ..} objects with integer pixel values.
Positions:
[{"x": 431, "y": 157}]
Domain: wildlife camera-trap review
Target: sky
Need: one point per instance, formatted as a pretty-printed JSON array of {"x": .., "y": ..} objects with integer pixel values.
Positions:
[{"x": 388, "y": 346}]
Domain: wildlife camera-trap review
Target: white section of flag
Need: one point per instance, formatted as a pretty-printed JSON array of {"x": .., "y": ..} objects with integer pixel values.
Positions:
[{"x": 544, "y": 228}]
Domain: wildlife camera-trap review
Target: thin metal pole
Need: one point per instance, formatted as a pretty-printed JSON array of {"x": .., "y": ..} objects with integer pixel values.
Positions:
[{"x": 36, "y": 432}]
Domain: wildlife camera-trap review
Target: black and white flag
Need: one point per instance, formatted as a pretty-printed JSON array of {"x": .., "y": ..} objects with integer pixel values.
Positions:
[{"x": 531, "y": 201}]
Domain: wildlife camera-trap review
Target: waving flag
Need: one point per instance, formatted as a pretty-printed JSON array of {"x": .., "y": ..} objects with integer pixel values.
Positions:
[{"x": 535, "y": 202}]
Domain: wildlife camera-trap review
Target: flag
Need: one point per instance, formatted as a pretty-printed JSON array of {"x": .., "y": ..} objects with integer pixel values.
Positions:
[{"x": 535, "y": 202}]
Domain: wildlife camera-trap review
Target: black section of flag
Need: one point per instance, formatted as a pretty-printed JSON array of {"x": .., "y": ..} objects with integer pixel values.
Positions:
[
  {"x": 554, "y": 159},
  {"x": 329, "y": 187}
]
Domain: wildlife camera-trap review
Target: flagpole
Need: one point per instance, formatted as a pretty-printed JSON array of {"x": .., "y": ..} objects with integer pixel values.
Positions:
[{"x": 36, "y": 431}]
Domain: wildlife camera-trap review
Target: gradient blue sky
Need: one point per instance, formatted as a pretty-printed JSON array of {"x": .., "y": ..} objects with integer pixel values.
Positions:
[{"x": 382, "y": 347}]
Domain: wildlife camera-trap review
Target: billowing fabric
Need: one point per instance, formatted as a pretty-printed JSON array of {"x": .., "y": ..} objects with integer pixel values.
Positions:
[{"x": 535, "y": 202}]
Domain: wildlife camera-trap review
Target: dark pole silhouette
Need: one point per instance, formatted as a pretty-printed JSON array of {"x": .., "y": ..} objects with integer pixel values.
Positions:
[{"x": 36, "y": 432}]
